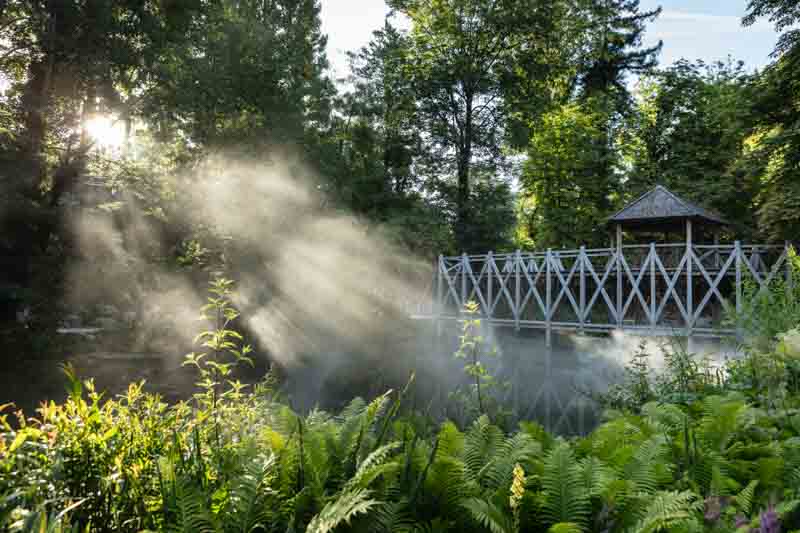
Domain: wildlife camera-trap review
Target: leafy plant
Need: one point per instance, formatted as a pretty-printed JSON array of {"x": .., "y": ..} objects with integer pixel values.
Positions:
[{"x": 473, "y": 351}]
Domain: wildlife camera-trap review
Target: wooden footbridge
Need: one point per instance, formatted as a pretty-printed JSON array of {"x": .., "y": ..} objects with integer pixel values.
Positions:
[{"x": 655, "y": 288}]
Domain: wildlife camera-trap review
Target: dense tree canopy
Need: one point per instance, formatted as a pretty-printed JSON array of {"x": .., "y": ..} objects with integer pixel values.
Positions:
[{"x": 484, "y": 125}]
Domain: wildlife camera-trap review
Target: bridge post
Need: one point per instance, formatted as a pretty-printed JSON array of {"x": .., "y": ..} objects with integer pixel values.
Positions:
[
  {"x": 653, "y": 295},
  {"x": 689, "y": 280},
  {"x": 582, "y": 288},
  {"x": 787, "y": 248},
  {"x": 619, "y": 276},
  {"x": 737, "y": 246},
  {"x": 548, "y": 341},
  {"x": 489, "y": 270},
  {"x": 439, "y": 295},
  {"x": 517, "y": 288},
  {"x": 464, "y": 268}
]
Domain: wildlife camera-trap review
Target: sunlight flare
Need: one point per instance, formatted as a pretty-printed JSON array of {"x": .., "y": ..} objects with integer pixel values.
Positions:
[{"x": 106, "y": 131}]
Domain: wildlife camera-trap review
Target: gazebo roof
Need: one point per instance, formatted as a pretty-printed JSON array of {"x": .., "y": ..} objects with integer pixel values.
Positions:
[{"x": 660, "y": 206}]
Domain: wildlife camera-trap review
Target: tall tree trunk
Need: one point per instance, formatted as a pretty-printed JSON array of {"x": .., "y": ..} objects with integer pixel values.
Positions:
[
  {"x": 463, "y": 169},
  {"x": 36, "y": 99}
]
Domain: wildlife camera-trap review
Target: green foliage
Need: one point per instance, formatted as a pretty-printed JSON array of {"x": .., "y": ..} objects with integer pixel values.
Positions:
[
  {"x": 560, "y": 176},
  {"x": 484, "y": 387},
  {"x": 219, "y": 341},
  {"x": 699, "y": 465},
  {"x": 693, "y": 120},
  {"x": 767, "y": 312},
  {"x": 681, "y": 453}
]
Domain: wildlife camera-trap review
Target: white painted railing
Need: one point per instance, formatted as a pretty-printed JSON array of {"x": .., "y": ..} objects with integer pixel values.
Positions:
[{"x": 656, "y": 288}]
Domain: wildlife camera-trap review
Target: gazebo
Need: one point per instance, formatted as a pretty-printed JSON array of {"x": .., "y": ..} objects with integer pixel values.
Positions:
[{"x": 661, "y": 210}]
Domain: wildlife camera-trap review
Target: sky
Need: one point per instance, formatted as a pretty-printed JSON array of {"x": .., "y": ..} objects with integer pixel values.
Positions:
[{"x": 694, "y": 29}]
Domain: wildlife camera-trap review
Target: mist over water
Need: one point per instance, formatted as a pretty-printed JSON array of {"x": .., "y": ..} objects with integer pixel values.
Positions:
[{"x": 322, "y": 296}]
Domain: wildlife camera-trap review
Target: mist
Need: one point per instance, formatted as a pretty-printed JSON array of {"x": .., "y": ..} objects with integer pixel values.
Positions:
[{"x": 323, "y": 297}]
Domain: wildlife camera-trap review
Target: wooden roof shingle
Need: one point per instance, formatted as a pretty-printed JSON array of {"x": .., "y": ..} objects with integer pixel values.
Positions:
[{"x": 661, "y": 205}]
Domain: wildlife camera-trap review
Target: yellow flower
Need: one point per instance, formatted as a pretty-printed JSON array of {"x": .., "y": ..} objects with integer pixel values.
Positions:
[{"x": 517, "y": 487}]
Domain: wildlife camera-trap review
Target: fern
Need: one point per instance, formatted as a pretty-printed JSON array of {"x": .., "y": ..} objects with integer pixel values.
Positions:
[
  {"x": 787, "y": 507},
  {"x": 614, "y": 442},
  {"x": 499, "y": 470},
  {"x": 668, "y": 511},
  {"x": 445, "y": 482},
  {"x": 565, "y": 527},
  {"x": 373, "y": 466},
  {"x": 649, "y": 466},
  {"x": 247, "y": 507},
  {"x": 390, "y": 518},
  {"x": 596, "y": 476},
  {"x": 482, "y": 445},
  {"x": 191, "y": 514},
  {"x": 566, "y": 498},
  {"x": 489, "y": 515},
  {"x": 723, "y": 416},
  {"x": 744, "y": 500},
  {"x": 665, "y": 418},
  {"x": 451, "y": 441},
  {"x": 793, "y": 480},
  {"x": 341, "y": 511}
]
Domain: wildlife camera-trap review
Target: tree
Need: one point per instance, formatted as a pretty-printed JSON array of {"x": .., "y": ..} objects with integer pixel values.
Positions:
[
  {"x": 560, "y": 177},
  {"x": 693, "y": 122},
  {"x": 386, "y": 98},
  {"x": 252, "y": 74},
  {"x": 577, "y": 149},
  {"x": 67, "y": 61},
  {"x": 774, "y": 152},
  {"x": 616, "y": 28},
  {"x": 376, "y": 134},
  {"x": 459, "y": 50}
]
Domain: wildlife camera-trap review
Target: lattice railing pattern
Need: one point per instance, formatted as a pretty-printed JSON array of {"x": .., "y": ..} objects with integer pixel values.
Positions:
[{"x": 664, "y": 287}]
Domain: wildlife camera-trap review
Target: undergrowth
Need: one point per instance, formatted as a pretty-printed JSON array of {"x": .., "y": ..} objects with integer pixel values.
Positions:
[{"x": 683, "y": 450}]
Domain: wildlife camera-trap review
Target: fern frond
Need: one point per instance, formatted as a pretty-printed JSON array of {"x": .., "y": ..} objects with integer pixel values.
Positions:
[
  {"x": 596, "y": 475},
  {"x": 565, "y": 497},
  {"x": 565, "y": 527},
  {"x": 481, "y": 446},
  {"x": 649, "y": 466},
  {"x": 373, "y": 466},
  {"x": 519, "y": 449},
  {"x": 615, "y": 441},
  {"x": 391, "y": 518},
  {"x": 666, "y": 418},
  {"x": 668, "y": 511},
  {"x": 489, "y": 515},
  {"x": 190, "y": 513},
  {"x": 341, "y": 511},
  {"x": 744, "y": 500},
  {"x": 793, "y": 479},
  {"x": 723, "y": 417},
  {"x": 787, "y": 507},
  {"x": 451, "y": 441},
  {"x": 247, "y": 508}
]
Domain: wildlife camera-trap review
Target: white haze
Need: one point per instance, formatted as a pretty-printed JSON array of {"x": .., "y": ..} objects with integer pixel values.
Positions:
[
  {"x": 321, "y": 291},
  {"x": 311, "y": 279}
]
